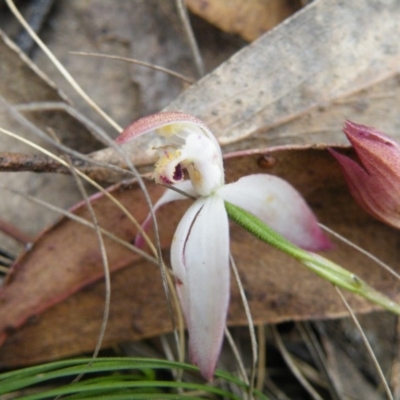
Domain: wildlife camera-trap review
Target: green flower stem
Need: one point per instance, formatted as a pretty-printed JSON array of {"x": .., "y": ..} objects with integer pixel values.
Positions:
[{"x": 326, "y": 269}]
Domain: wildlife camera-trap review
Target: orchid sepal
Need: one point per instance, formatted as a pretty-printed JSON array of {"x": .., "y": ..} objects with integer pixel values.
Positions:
[
  {"x": 200, "y": 262},
  {"x": 280, "y": 206},
  {"x": 324, "y": 268}
]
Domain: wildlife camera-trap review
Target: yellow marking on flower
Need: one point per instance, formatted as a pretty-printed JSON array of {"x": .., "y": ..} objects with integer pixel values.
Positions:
[
  {"x": 270, "y": 199},
  {"x": 169, "y": 130},
  {"x": 161, "y": 166},
  {"x": 168, "y": 156},
  {"x": 196, "y": 177}
]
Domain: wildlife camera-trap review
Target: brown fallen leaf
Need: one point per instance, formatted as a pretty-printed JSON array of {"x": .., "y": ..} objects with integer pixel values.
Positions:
[
  {"x": 318, "y": 58},
  {"x": 375, "y": 106},
  {"x": 53, "y": 300},
  {"x": 292, "y": 85},
  {"x": 149, "y": 31},
  {"x": 30, "y": 97},
  {"x": 30, "y": 103},
  {"x": 297, "y": 83},
  {"x": 249, "y": 19},
  {"x": 100, "y": 27},
  {"x": 29, "y": 100},
  {"x": 78, "y": 266}
]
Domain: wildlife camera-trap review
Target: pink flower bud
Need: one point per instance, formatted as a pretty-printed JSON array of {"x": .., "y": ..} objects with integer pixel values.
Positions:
[{"x": 373, "y": 179}]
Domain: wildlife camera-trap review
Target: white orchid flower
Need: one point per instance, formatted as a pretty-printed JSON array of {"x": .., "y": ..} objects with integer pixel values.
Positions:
[{"x": 200, "y": 247}]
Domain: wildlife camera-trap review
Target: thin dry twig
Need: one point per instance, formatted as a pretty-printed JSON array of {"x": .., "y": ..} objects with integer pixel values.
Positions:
[
  {"x": 184, "y": 16},
  {"x": 39, "y": 163},
  {"x": 110, "y": 142},
  {"x": 367, "y": 345},
  {"x": 86, "y": 161},
  {"x": 318, "y": 356},
  {"x": 292, "y": 365},
  {"x": 181, "y": 324},
  {"x": 261, "y": 364},
  {"x": 37, "y": 13},
  {"x": 60, "y": 67},
  {"x": 15, "y": 233},
  {"x": 106, "y": 266},
  {"x": 83, "y": 222},
  {"x": 395, "y": 370},
  {"x": 92, "y": 182},
  {"x": 138, "y": 62},
  {"x": 236, "y": 353},
  {"x": 4, "y": 270},
  {"x": 37, "y": 106},
  {"x": 253, "y": 338},
  {"x": 118, "y": 149},
  {"x": 385, "y": 266},
  {"x": 19, "y": 162}
]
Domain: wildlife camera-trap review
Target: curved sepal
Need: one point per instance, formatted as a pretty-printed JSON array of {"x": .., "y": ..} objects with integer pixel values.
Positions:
[{"x": 280, "y": 206}]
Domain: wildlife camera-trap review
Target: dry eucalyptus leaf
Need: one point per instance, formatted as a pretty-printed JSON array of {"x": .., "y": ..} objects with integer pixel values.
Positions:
[
  {"x": 149, "y": 31},
  {"x": 321, "y": 55},
  {"x": 249, "y": 18},
  {"x": 55, "y": 293},
  {"x": 23, "y": 84},
  {"x": 95, "y": 26},
  {"x": 329, "y": 62},
  {"x": 373, "y": 106},
  {"x": 157, "y": 37},
  {"x": 79, "y": 258},
  {"x": 316, "y": 69}
]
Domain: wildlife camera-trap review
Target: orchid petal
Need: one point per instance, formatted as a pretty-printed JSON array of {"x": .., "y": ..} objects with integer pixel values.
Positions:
[
  {"x": 279, "y": 205},
  {"x": 168, "y": 196},
  {"x": 200, "y": 260}
]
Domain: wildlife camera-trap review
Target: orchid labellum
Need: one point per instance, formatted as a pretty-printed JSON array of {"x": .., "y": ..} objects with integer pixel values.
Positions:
[
  {"x": 374, "y": 179},
  {"x": 200, "y": 247}
]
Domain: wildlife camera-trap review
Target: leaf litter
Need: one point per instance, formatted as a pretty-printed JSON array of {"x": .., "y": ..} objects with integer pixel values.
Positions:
[{"x": 364, "y": 91}]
